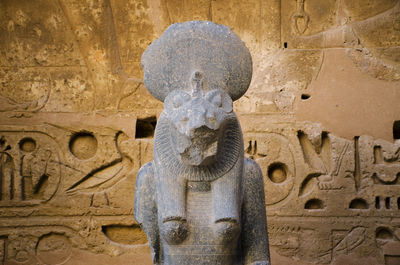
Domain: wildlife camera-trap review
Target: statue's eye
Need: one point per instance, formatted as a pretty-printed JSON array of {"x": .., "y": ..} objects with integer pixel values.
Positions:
[
  {"x": 214, "y": 97},
  {"x": 220, "y": 99},
  {"x": 217, "y": 100},
  {"x": 177, "y": 99}
]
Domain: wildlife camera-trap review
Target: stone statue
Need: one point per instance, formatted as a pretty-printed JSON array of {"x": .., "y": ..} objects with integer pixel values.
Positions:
[{"x": 200, "y": 201}]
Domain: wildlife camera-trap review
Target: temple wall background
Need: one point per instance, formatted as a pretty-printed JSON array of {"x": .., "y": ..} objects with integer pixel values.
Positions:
[{"x": 321, "y": 117}]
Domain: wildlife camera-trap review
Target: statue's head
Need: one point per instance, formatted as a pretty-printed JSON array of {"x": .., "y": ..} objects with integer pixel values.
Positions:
[
  {"x": 197, "y": 68},
  {"x": 197, "y": 119}
]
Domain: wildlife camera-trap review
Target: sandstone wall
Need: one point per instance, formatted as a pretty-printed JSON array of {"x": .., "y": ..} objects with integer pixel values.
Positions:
[{"x": 322, "y": 117}]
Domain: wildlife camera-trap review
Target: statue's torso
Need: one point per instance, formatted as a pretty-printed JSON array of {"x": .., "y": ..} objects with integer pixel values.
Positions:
[{"x": 203, "y": 244}]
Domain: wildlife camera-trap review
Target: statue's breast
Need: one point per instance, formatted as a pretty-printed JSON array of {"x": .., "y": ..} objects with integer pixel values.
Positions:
[{"x": 207, "y": 242}]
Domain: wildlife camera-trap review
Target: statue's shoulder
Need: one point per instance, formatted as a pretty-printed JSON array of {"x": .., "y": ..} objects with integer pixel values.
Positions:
[
  {"x": 145, "y": 179},
  {"x": 144, "y": 192},
  {"x": 146, "y": 173},
  {"x": 253, "y": 174}
]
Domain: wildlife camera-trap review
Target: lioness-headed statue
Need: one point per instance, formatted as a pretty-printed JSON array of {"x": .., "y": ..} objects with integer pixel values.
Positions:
[{"x": 200, "y": 201}]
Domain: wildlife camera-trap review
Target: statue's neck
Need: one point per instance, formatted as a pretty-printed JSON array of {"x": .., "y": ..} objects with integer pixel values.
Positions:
[{"x": 230, "y": 149}]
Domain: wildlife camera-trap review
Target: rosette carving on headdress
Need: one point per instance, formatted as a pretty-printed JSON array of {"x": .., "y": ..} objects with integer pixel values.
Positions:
[{"x": 202, "y": 46}]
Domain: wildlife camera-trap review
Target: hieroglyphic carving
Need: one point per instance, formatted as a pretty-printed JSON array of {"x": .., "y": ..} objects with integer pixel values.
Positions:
[
  {"x": 339, "y": 28},
  {"x": 286, "y": 238},
  {"x": 125, "y": 234},
  {"x": 30, "y": 245},
  {"x": 8, "y": 104},
  {"x": 98, "y": 180},
  {"x": 54, "y": 57},
  {"x": 6, "y": 173},
  {"x": 386, "y": 163},
  {"x": 348, "y": 241},
  {"x": 273, "y": 152},
  {"x": 300, "y": 18},
  {"x": 30, "y": 170},
  {"x": 53, "y": 248},
  {"x": 379, "y": 163},
  {"x": 388, "y": 240},
  {"x": 325, "y": 162},
  {"x": 34, "y": 156},
  {"x": 2, "y": 249},
  {"x": 329, "y": 182}
]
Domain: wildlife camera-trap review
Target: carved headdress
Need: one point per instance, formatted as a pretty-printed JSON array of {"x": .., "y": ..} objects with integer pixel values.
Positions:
[{"x": 184, "y": 48}]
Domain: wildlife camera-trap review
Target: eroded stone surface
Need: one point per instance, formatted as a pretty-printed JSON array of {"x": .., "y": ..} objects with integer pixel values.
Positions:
[{"x": 70, "y": 67}]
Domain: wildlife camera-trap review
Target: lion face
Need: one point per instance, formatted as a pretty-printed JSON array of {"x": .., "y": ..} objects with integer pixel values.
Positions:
[{"x": 197, "y": 121}]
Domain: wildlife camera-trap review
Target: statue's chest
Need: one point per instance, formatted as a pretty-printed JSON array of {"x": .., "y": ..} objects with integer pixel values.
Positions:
[
  {"x": 204, "y": 245},
  {"x": 199, "y": 208}
]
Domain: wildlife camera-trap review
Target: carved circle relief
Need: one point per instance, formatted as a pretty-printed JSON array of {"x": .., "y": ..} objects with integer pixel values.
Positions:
[
  {"x": 22, "y": 256},
  {"x": 27, "y": 144},
  {"x": 53, "y": 249},
  {"x": 273, "y": 153},
  {"x": 30, "y": 168},
  {"x": 277, "y": 172},
  {"x": 83, "y": 145}
]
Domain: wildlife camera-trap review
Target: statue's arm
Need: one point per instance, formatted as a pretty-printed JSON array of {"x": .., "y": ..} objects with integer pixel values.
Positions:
[
  {"x": 254, "y": 236},
  {"x": 145, "y": 208}
]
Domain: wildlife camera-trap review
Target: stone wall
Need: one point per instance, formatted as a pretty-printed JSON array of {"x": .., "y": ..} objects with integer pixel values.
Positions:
[{"x": 322, "y": 117}]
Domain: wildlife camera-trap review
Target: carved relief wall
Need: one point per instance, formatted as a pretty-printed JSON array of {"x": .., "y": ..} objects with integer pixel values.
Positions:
[{"x": 321, "y": 117}]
